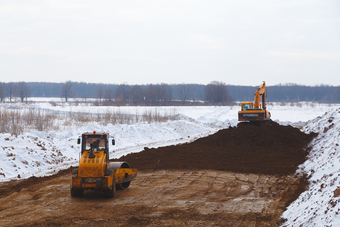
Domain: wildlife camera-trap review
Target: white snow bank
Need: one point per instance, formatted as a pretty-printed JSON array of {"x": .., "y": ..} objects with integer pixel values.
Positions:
[
  {"x": 39, "y": 153},
  {"x": 319, "y": 205}
]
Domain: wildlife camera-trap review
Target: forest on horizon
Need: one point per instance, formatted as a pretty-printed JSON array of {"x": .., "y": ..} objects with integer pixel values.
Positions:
[{"x": 215, "y": 93}]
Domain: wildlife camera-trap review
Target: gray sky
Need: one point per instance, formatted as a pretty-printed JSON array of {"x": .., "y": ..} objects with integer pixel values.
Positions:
[{"x": 140, "y": 42}]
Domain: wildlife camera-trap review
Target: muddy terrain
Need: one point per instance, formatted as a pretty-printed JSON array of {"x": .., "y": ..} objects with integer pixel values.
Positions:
[
  {"x": 267, "y": 148},
  {"x": 242, "y": 176}
]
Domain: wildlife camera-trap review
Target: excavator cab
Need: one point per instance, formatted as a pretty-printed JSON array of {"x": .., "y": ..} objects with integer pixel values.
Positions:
[{"x": 246, "y": 105}]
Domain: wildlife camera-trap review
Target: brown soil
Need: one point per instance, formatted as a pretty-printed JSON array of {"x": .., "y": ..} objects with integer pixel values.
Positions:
[
  {"x": 157, "y": 198},
  {"x": 267, "y": 148},
  {"x": 240, "y": 176}
]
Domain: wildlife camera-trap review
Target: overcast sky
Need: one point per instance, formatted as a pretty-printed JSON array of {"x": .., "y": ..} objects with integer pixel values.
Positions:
[{"x": 141, "y": 42}]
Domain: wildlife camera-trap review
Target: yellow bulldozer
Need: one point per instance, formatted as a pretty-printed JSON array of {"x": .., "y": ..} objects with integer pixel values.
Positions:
[
  {"x": 95, "y": 171},
  {"x": 256, "y": 111}
]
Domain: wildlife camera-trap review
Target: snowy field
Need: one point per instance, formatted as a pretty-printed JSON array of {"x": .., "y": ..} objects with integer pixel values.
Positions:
[{"x": 40, "y": 153}]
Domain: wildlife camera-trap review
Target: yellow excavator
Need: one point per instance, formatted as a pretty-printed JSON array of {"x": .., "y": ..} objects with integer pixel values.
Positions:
[
  {"x": 256, "y": 111},
  {"x": 95, "y": 171}
]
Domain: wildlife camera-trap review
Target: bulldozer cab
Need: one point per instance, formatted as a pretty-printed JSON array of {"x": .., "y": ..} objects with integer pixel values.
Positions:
[{"x": 94, "y": 143}]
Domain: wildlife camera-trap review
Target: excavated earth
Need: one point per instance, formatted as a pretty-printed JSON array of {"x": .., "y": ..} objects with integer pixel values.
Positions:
[
  {"x": 267, "y": 148},
  {"x": 240, "y": 176}
]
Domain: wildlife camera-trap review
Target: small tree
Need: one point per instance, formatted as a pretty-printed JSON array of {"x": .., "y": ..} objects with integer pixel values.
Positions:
[
  {"x": 336, "y": 95},
  {"x": 66, "y": 90},
  {"x": 151, "y": 94},
  {"x": 184, "y": 92},
  {"x": 23, "y": 90},
  {"x": 2, "y": 92},
  {"x": 137, "y": 94},
  {"x": 121, "y": 93},
  {"x": 158, "y": 94},
  {"x": 166, "y": 93},
  {"x": 100, "y": 93},
  {"x": 217, "y": 93},
  {"x": 10, "y": 90},
  {"x": 109, "y": 94}
]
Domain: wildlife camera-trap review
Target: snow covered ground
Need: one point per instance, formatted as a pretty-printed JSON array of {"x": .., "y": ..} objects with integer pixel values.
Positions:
[
  {"x": 40, "y": 153},
  {"x": 319, "y": 205}
]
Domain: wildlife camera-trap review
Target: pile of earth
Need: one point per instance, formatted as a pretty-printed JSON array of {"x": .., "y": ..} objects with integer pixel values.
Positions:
[{"x": 266, "y": 148}]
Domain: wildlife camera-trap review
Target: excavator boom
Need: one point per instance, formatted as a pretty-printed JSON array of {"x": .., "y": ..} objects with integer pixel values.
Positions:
[{"x": 261, "y": 91}]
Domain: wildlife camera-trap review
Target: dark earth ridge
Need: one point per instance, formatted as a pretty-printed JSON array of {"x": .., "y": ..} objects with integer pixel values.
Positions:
[{"x": 263, "y": 148}]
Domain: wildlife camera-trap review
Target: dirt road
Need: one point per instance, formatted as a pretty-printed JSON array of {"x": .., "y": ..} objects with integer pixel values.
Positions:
[{"x": 161, "y": 198}]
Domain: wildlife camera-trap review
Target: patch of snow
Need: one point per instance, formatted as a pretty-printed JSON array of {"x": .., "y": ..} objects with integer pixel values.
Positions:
[{"x": 39, "y": 153}]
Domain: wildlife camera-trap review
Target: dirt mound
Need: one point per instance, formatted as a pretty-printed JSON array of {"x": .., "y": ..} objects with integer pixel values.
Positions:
[
  {"x": 7, "y": 188},
  {"x": 267, "y": 148}
]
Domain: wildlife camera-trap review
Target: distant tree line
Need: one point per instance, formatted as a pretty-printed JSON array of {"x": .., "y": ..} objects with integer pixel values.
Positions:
[
  {"x": 14, "y": 90},
  {"x": 289, "y": 93},
  {"x": 214, "y": 93}
]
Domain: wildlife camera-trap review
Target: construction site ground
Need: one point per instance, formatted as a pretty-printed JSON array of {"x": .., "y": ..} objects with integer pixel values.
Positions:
[{"x": 241, "y": 176}]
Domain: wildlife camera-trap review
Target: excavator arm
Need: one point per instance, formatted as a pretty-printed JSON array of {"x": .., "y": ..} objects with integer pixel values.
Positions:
[{"x": 261, "y": 91}]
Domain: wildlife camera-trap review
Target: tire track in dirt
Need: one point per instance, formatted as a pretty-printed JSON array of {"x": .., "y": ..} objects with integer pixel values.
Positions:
[{"x": 160, "y": 198}]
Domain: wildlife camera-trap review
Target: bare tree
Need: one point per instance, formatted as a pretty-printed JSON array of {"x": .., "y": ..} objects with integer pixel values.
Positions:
[
  {"x": 109, "y": 94},
  {"x": 151, "y": 94},
  {"x": 217, "y": 93},
  {"x": 10, "y": 90},
  {"x": 121, "y": 93},
  {"x": 66, "y": 90},
  {"x": 336, "y": 95},
  {"x": 184, "y": 92},
  {"x": 137, "y": 94},
  {"x": 2, "y": 92},
  {"x": 100, "y": 93},
  {"x": 166, "y": 91},
  {"x": 23, "y": 90},
  {"x": 158, "y": 94}
]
